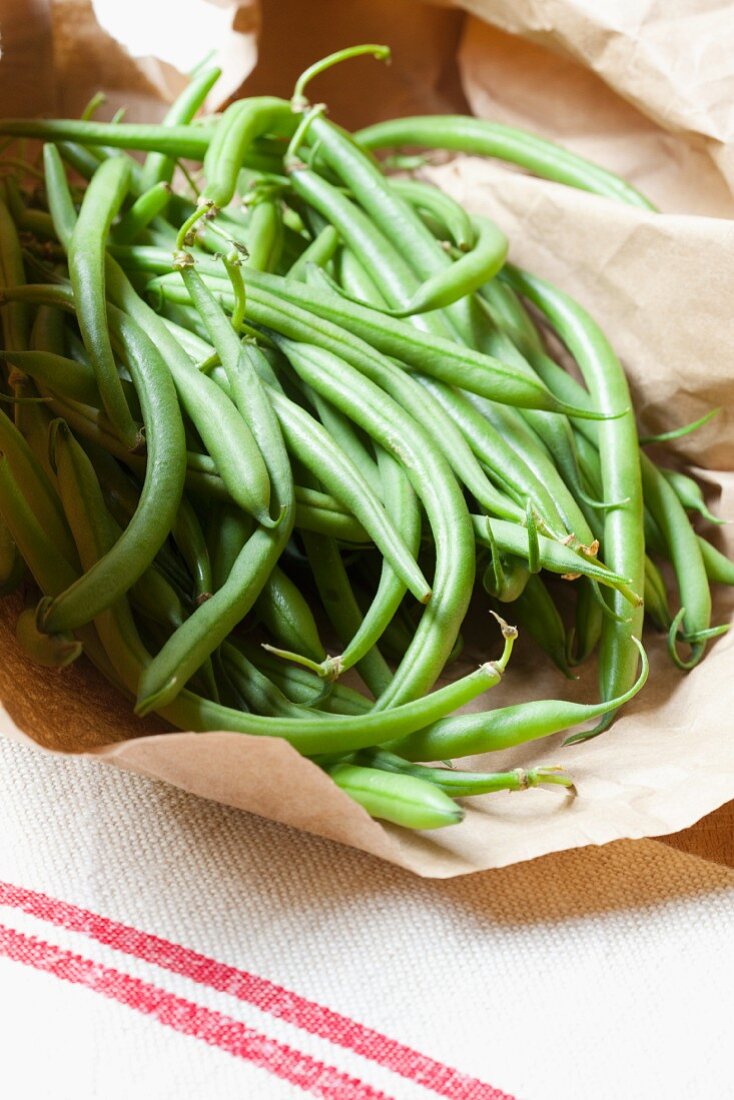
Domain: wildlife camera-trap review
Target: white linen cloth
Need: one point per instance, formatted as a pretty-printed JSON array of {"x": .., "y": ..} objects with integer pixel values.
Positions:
[{"x": 153, "y": 944}]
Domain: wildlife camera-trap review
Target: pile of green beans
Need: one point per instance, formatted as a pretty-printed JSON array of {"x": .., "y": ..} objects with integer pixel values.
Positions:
[{"x": 271, "y": 416}]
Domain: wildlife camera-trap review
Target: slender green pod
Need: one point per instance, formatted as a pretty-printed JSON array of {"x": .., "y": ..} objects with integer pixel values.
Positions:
[
  {"x": 342, "y": 608},
  {"x": 288, "y": 618},
  {"x": 690, "y": 494},
  {"x": 463, "y": 784},
  {"x": 481, "y": 137},
  {"x": 50, "y": 651},
  {"x": 101, "y": 202},
  {"x": 320, "y": 252},
  {"x": 12, "y": 566},
  {"x": 401, "y": 503},
  {"x": 159, "y": 168},
  {"x": 465, "y": 276},
  {"x": 433, "y": 481},
  {"x": 37, "y": 488},
  {"x": 264, "y": 236},
  {"x": 620, "y": 464},
  {"x": 189, "y": 538},
  {"x": 16, "y": 315},
  {"x": 585, "y": 633},
  {"x": 272, "y": 301},
  {"x": 552, "y": 555},
  {"x": 535, "y": 613},
  {"x": 51, "y": 571},
  {"x": 160, "y": 495},
  {"x": 684, "y": 550},
  {"x": 397, "y": 797},
  {"x": 506, "y": 727},
  {"x": 142, "y": 212},
  {"x": 237, "y": 129},
  {"x": 65, "y": 376},
  {"x": 454, "y": 220}
]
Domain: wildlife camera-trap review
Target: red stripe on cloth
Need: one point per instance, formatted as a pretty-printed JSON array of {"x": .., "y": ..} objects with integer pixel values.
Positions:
[
  {"x": 260, "y": 992},
  {"x": 214, "y": 1028}
]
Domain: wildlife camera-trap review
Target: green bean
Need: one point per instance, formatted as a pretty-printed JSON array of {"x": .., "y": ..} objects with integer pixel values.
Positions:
[
  {"x": 391, "y": 214},
  {"x": 56, "y": 651},
  {"x": 461, "y": 784},
  {"x": 402, "y": 504},
  {"x": 430, "y": 410},
  {"x": 165, "y": 470},
  {"x": 142, "y": 212},
  {"x": 189, "y": 539},
  {"x": 719, "y": 568},
  {"x": 678, "y": 433},
  {"x": 464, "y": 276},
  {"x": 689, "y": 493},
  {"x": 314, "y": 513},
  {"x": 12, "y": 566},
  {"x": 66, "y": 376},
  {"x": 159, "y": 168},
  {"x": 257, "y": 690},
  {"x": 342, "y": 608},
  {"x": 433, "y": 482},
  {"x": 288, "y": 618},
  {"x": 504, "y": 578},
  {"x": 535, "y": 612},
  {"x": 239, "y": 126},
  {"x": 259, "y": 430},
  {"x": 656, "y": 597},
  {"x": 509, "y": 315},
  {"x": 319, "y": 733},
  {"x": 228, "y": 531},
  {"x": 492, "y": 448},
  {"x": 402, "y": 799},
  {"x": 352, "y": 277},
  {"x": 554, "y": 432},
  {"x": 305, "y": 437},
  {"x": 37, "y": 488},
  {"x": 51, "y": 570},
  {"x": 506, "y": 727},
  {"x": 86, "y": 269},
  {"x": 174, "y": 141},
  {"x": 342, "y": 431},
  {"x": 265, "y": 237},
  {"x": 299, "y": 101},
  {"x": 422, "y": 400},
  {"x": 83, "y": 159},
  {"x": 212, "y": 620},
  {"x": 15, "y": 316},
  {"x": 448, "y": 213},
  {"x": 384, "y": 262},
  {"x": 553, "y": 556},
  {"x": 305, "y": 687},
  {"x": 214, "y": 416},
  {"x": 272, "y": 302},
  {"x": 585, "y": 634},
  {"x": 320, "y": 251},
  {"x": 483, "y": 138},
  {"x": 529, "y": 449},
  {"x": 619, "y": 453},
  {"x": 148, "y": 528},
  {"x": 684, "y": 550}
]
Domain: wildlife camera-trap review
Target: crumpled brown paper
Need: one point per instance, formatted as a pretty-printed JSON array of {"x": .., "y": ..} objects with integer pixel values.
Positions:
[{"x": 645, "y": 91}]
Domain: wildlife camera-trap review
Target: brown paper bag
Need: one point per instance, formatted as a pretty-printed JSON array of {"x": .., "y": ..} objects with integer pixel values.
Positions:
[{"x": 632, "y": 93}]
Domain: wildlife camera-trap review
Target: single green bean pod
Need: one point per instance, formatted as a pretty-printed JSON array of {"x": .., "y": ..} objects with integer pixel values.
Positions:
[{"x": 402, "y": 799}]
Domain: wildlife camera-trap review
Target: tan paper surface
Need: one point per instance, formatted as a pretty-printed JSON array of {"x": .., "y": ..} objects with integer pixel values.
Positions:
[{"x": 661, "y": 286}]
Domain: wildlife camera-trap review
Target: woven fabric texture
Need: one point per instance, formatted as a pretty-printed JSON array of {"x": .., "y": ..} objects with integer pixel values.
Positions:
[{"x": 176, "y": 948}]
